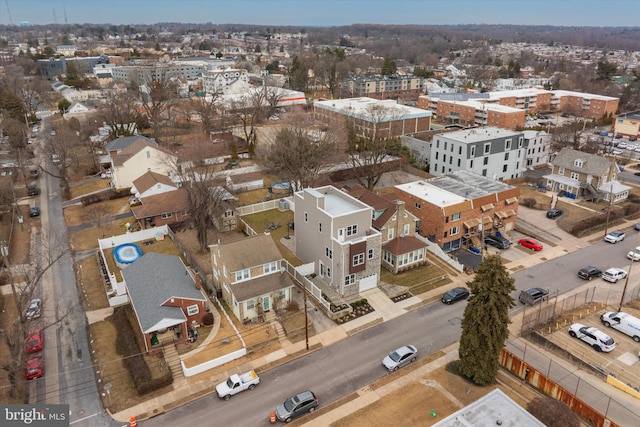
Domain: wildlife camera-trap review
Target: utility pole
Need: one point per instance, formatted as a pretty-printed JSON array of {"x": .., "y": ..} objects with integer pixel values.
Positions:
[{"x": 606, "y": 227}]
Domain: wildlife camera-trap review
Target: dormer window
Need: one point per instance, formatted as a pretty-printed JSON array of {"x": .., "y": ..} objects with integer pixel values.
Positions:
[{"x": 577, "y": 163}]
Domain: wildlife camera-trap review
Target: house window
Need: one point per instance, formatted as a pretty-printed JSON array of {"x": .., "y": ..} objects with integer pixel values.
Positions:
[
  {"x": 507, "y": 145},
  {"x": 437, "y": 155},
  {"x": 352, "y": 229},
  {"x": 487, "y": 148},
  {"x": 456, "y": 216},
  {"x": 251, "y": 304},
  {"x": 192, "y": 310},
  {"x": 473, "y": 151},
  {"x": 390, "y": 234},
  {"x": 506, "y": 156},
  {"x": 444, "y": 158},
  {"x": 350, "y": 279},
  {"x": 484, "y": 172},
  {"x": 417, "y": 205},
  {"x": 455, "y": 230},
  {"x": 460, "y": 150},
  {"x": 458, "y": 162},
  {"x": 578, "y": 163},
  {"x": 166, "y": 215},
  {"x": 520, "y": 142},
  {"x": 242, "y": 275},
  {"x": 319, "y": 227},
  {"x": 504, "y": 168},
  {"x": 370, "y": 254},
  {"x": 306, "y": 217},
  {"x": 561, "y": 171},
  {"x": 148, "y": 154},
  {"x": 270, "y": 267},
  {"x": 328, "y": 271},
  {"x": 575, "y": 175},
  {"x": 328, "y": 252},
  {"x": 485, "y": 161},
  {"x": 407, "y": 228},
  {"x": 358, "y": 259}
]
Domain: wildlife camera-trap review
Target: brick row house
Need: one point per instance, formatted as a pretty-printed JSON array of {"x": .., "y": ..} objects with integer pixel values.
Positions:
[
  {"x": 334, "y": 232},
  {"x": 401, "y": 250},
  {"x": 451, "y": 207}
]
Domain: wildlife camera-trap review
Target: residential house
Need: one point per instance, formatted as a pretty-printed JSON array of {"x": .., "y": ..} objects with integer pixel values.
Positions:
[
  {"x": 492, "y": 152},
  {"x": 164, "y": 294},
  {"x": 136, "y": 159},
  {"x": 586, "y": 175},
  {"x": 334, "y": 231},
  {"x": 538, "y": 148},
  {"x": 250, "y": 274},
  {"x": 151, "y": 184},
  {"x": 452, "y": 207},
  {"x": 167, "y": 207},
  {"x": 401, "y": 250}
]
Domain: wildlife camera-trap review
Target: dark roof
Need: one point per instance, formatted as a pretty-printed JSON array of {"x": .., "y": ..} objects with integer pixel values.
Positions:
[
  {"x": 383, "y": 208},
  {"x": 403, "y": 245},
  {"x": 123, "y": 142},
  {"x": 167, "y": 202},
  {"x": 152, "y": 281},
  {"x": 260, "y": 286}
]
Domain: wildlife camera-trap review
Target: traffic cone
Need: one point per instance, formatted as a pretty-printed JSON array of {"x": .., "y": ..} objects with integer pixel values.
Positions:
[
  {"x": 272, "y": 418},
  {"x": 133, "y": 422}
]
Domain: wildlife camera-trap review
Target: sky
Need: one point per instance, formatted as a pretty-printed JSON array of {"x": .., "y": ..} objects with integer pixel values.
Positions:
[{"x": 617, "y": 13}]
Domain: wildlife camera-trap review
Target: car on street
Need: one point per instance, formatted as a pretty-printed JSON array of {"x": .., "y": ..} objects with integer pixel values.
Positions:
[
  {"x": 400, "y": 357},
  {"x": 592, "y": 336},
  {"x": 296, "y": 406},
  {"x": 497, "y": 241},
  {"x": 34, "y": 211},
  {"x": 533, "y": 296},
  {"x": 637, "y": 226},
  {"x": 35, "y": 306},
  {"x": 634, "y": 254},
  {"x": 34, "y": 367},
  {"x": 529, "y": 243},
  {"x": 554, "y": 213},
  {"x": 32, "y": 190},
  {"x": 589, "y": 272},
  {"x": 455, "y": 294},
  {"x": 614, "y": 274},
  {"x": 633, "y": 138},
  {"x": 616, "y": 152},
  {"x": 637, "y": 173},
  {"x": 35, "y": 341},
  {"x": 614, "y": 236}
]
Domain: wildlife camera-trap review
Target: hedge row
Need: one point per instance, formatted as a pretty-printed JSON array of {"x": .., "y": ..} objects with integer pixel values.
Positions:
[
  {"x": 105, "y": 195},
  {"x": 127, "y": 347}
]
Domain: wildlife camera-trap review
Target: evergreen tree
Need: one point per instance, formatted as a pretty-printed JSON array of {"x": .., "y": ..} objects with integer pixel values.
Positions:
[{"x": 486, "y": 320}]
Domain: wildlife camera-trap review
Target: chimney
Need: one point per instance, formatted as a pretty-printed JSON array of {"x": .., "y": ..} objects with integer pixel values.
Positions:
[{"x": 197, "y": 277}]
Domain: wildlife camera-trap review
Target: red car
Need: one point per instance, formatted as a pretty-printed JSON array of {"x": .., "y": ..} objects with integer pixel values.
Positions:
[
  {"x": 35, "y": 367},
  {"x": 35, "y": 341},
  {"x": 532, "y": 244}
]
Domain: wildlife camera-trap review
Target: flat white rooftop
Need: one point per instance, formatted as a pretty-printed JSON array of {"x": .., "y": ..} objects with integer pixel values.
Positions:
[
  {"x": 370, "y": 109},
  {"x": 485, "y": 106},
  {"x": 336, "y": 202},
  {"x": 478, "y": 134},
  {"x": 430, "y": 193}
]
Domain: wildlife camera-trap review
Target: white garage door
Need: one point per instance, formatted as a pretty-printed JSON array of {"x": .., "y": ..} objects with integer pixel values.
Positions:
[{"x": 368, "y": 283}]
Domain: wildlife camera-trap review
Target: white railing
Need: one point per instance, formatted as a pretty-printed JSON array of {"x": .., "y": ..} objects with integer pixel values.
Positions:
[{"x": 437, "y": 251}]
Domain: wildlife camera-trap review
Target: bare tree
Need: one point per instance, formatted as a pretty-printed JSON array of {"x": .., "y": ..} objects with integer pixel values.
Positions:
[
  {"x": 22, "y": 293},
  {"x": 249, "y": 111},
  {"x": 369, "y": 139},
  {"x": 120, "y": 113},
  {"x": 297, "y": 154},
  {"x": 552, "y": 412},
  {"x": 98, "y": 215}
]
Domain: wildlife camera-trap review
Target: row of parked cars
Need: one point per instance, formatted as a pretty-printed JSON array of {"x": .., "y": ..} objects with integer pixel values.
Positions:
[
  {"x": 600, "y": 341},
  {"x": 34, "y": 344}
]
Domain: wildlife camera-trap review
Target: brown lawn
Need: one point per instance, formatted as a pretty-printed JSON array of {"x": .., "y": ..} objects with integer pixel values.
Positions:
[
  {"x": 90, "y": 280},
  {"x": 88, "y": 186},
  {"x": 79, "y": 214}
]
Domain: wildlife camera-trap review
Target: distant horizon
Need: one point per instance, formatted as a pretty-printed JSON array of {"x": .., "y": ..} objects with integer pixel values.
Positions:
[{"x": 324, "y": 13}]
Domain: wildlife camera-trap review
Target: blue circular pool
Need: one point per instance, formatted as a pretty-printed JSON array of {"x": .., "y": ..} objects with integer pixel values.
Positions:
[{"x": 127, "y": 253}]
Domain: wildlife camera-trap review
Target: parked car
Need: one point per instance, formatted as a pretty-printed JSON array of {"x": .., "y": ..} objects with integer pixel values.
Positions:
[
  {"x": 634, "y": 254},
  {"x": 624, "y": 322},
  {"x": 455, "y": 294},
  {"x": 400, "y": 357},
  {"x": 32, "y": 190},
  {"x": 237, "y": 383},
  {"x": 614, "y": 274},
  {"x": 33, "y": 312},
  {"x": 296, "y": 406},
  {"x": 592, "y": 336},
  {"x": 554, "y": 213},
  {"x": 35, "y": 341},
  {"x": 497, "y": 241},
  {"x": 34, "y": 211},
  {"x": 614, "y": 236},
  {"x": 34, "y": 367},
  {"x": 532, "y": 244},
  {"x": 616, "y": 152},
  {"x": 633, "y": 138},
  {"x": 533, "y": 296},
  {"x": 637, "y": 226},
  {"x": 589, "y": 272}
]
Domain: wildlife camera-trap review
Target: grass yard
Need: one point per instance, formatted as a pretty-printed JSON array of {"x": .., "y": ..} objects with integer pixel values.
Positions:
[
  {"x": 89, "y": 186},
  {"x": 90, "y": 280},
  {"x": 261, "y": 220},
  {"x": 80, "y": 214},
  {"x": 417, "y": 280}
]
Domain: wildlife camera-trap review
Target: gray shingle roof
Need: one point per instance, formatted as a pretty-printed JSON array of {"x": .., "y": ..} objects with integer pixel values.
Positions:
[
  {"x": 123, "y": 142},
  {"x": 152, "y": 281},
  {"x": 591, "y": 164}
]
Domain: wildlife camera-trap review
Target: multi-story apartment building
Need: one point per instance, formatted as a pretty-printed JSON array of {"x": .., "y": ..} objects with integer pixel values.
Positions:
[
  {"x": 334, "y": 232},
  {"x": 459, "y": 109},
  {"x": 491, "y": 152},
  {"x": 584, "y": 104},
  {"x": 452, "y": 207},
  {"x": 156, "y": 71},
  {"x": 385, "y": 119},
  {"x": 53, "y": 67},
  {"x": 220, "y": 81},
  {"x": 538, "y": 148},
  {"x": 383, "y": 87}
]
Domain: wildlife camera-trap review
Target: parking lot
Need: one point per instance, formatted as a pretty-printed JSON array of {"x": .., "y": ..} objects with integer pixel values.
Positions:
[{"x": 623, "y": 361}]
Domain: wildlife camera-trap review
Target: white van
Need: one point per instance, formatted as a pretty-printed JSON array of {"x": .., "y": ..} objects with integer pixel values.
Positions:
[{"x": 624, "y": 322}]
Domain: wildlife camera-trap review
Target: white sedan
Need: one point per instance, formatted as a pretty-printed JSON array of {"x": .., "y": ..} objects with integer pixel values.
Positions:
[{"x": 614, "y": 236}]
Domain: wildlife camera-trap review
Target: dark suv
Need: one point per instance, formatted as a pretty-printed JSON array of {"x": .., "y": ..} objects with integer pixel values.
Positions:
[
  {"x": 532, "y": 296},
  {"x": 589, "y": 272},
  {"x": 497, "y": 241}
]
